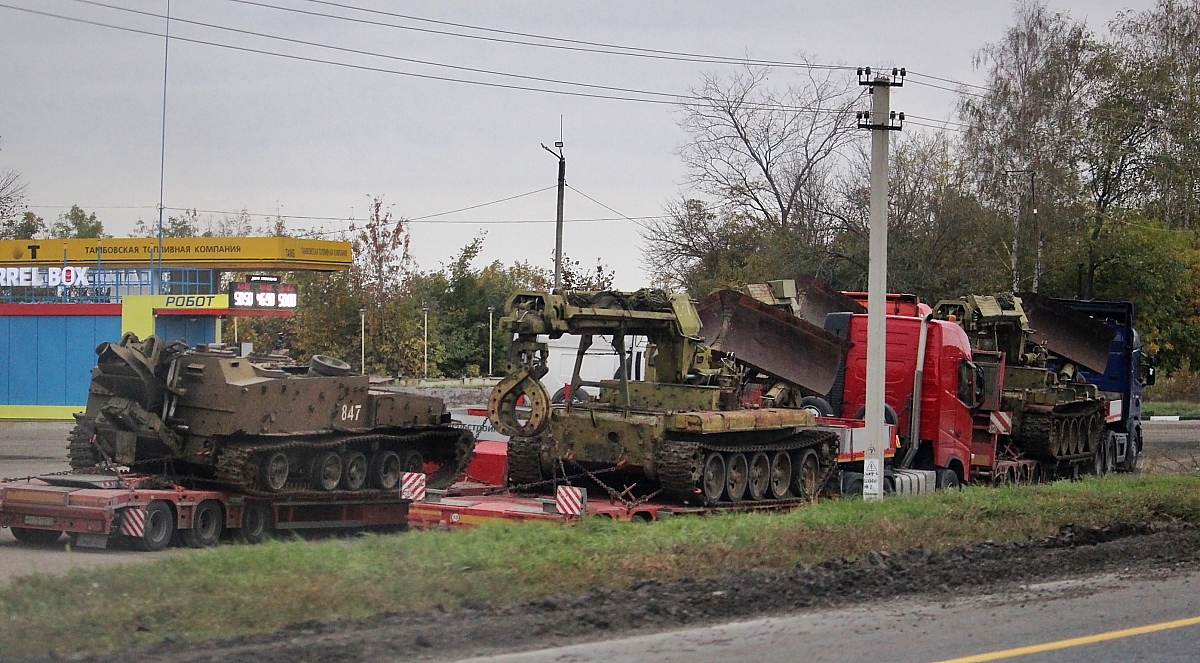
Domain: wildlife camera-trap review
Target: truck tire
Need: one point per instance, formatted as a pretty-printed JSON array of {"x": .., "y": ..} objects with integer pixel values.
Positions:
[
  {"x": 256, "y": 523},
  {"x": 889, "y": 414},
  {"x": 817, "y": 405},
  {"x": 1133, "y": 451},
  {"x": 159, "y": 528},
  {"x": 208, "y": 521},
  {"x": 947, "y": 479},
  {"x": 37, "y": 537}
]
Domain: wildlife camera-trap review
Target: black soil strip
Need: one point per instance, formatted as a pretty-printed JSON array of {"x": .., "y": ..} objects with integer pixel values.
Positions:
[{"x": 653, "y": 605}]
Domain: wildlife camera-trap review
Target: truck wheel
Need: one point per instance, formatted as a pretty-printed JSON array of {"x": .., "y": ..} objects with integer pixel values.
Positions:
[
  {"x": 808, "y": 474},
  {"x": 760, "y": 475},
  {"x": 1133, "y": 450},
  {"x": 159, "y": 528},
  {"x": 208, "y": 521},
  {"x": 385, "y": 470},
  {"x": 817, "y": 405},
  {"x": 713, "y": 477},
  {"x": 1110, "y": 452},
  {"x": 256, "y": 522},
  {"x": 947, "y": 479},
  {"x": 354, "y": 470},
  {"x": 781, "y": 475},
  {"x": 325, "y": 471},
  {"x": 889, "y": 414},
  {"x": 38, "y": 537},
  {"x": 1098, "y": 461},
  {"x": 737, "y": 476},
  {"x": 274, "y": 471}
]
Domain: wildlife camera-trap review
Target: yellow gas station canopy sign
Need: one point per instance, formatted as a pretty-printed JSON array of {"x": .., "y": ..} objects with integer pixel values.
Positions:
[{"x": 224, "y": 253}]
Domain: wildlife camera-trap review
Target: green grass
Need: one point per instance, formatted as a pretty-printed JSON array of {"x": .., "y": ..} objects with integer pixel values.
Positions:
[
  {"x": 1181, "y": 408},
  {"x": 241, "y": 589}
]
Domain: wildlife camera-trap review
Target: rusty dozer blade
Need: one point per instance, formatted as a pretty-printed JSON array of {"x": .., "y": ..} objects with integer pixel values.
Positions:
[
  {"x": 818, "y": 300},
  {"x": 1067, "y": 333},
  {"x": 770, "y": 340}
]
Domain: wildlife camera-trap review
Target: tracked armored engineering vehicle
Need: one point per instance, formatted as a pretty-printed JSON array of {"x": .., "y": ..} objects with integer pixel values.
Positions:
[
  {"x": 1057, "y": 415},
  {"x": 692, "y": 423},
  {"x": 258, "y": 425}
]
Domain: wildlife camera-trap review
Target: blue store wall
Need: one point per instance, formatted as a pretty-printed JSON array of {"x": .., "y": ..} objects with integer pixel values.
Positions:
[{"x": 47, "y": 359}]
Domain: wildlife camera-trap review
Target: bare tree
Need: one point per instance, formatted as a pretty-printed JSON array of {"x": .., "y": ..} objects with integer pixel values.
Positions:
[
  {"x": 12, "y": 202},
  {"x": 768, "y": 153}
]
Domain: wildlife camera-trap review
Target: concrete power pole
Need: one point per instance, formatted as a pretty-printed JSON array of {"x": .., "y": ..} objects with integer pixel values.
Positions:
[
  {"x": 881, "y": 120},
  {"x": 558, "y": 227}
]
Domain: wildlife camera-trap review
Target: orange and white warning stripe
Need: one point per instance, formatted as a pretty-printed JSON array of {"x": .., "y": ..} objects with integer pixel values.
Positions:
[
  {"x": 568, "y": 500},
  {"x": 1000, "y": 423},
  {"x": 133, "y": 522},
  {"x": 1114, "y": 412},
  {"x": 413, "y": 486}
]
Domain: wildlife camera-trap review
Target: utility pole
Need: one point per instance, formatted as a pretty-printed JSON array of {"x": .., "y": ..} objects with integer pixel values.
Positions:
[
  {"x": 881, "y": 120},
  {"x": 425, "y": 315},
  {"x": 491, "y": 338},
  {"x": 558, "y": 227},
  {"x": 362, "y": 340},
  {"x": 162, "y": 155},
  {"x": 1037, "y": 265}
]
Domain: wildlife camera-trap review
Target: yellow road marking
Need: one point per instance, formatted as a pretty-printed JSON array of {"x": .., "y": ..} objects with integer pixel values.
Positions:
[{"x": 1074, "y": 642}]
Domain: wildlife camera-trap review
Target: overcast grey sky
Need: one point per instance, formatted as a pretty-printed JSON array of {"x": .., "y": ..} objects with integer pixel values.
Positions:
[{"x": 80, "y": 107}]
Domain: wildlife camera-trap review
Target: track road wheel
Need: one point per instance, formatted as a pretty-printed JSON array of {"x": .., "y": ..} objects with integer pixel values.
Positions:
[
  {"x": 737, "y": 476},
  {"x": 806, "y": 482},
  {"x": 274, "y": 471},
  {"x": 947, "y": 479},
  {"x": 256, "y": 523},
  {"x": 354, "y": 470},
  {"x": 325, "y": 470},
  {"x": 713, "y": 478},
  {"x": 760, "y": 476},
  {"x": 412, "y": 461},
  {"x": 385, "y": 470},
  {"x": 781, "y": 475},
  {"x": 160, "y": 527},
  {"x": 37, "y": 537},
  {"x": 208, "y": 521}
]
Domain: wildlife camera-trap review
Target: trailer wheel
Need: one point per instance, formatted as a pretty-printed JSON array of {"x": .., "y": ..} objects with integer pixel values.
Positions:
[
  {"x": 947, "y": 479},
  {"x": 256, "y": 522},
  {"x": 760, "y": 475},
  {"x": 385, "y": 470},
  {"x": 737, "y": 476},
  {"x": 159, "y": 528},
  {"x": 38, "y": 537},
  {"x": 207, "y": 523},
  {"x": 354, "y": 470},
  {"x": 808, "y": 474},
  {"x": 781, "y": 475},
  {"x": 713, "y": 483},
  {"x": 325, "y": 471}
]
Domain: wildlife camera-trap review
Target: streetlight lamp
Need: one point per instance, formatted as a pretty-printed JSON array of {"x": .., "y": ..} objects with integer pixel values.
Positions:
[
  {"x": 362, "y": 340},
  {"x": 425, "y": 315},
  {"x": 491, "y": 339}
]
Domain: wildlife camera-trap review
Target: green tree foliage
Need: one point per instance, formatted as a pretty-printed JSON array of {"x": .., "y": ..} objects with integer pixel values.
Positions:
[
  {"x": 77, "y": 224},
  {"x": 28, "y": 226}
]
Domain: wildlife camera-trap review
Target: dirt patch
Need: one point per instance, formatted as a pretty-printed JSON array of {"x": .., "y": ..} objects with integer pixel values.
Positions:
[{"x": 652, "y": 605}]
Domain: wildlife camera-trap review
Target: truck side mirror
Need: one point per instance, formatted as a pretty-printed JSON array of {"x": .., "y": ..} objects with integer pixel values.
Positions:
[{"x": 1149, "y": 369}]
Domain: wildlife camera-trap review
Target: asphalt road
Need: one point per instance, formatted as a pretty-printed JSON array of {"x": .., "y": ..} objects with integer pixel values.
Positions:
[{"x": 1073, "y": 621}]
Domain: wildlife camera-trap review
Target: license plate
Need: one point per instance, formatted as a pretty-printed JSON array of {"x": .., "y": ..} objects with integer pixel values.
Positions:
[{"x": 45, "y": 521}]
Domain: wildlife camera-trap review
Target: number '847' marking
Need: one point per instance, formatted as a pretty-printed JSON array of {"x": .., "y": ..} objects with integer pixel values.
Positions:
[{"x": 351, "y": 412}]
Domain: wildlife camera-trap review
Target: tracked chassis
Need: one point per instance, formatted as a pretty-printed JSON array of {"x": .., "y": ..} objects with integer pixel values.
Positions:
[{"x": 259, "y": 426}]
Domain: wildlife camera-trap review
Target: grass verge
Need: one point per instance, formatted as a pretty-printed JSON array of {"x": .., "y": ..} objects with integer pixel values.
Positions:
[
  {"x": 1171, "y": 408},
  {"x": 233, "y": 590}
]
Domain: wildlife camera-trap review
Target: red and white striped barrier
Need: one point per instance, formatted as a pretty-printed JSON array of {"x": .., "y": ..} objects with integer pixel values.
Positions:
[
  {"x": 133, "y": 522},
  {"x": 1000, "y": 423},
  {"x": 413, "y": 486},
  {"x": 569, "y": 500}
]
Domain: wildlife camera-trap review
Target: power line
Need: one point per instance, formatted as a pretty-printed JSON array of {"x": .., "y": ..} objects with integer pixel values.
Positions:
[
  {"x": 563, "y": 43},
  {"x": 674, "y": 99},
  {"x": 628, "y": 218},
  {"x": 948, "y": 80}
]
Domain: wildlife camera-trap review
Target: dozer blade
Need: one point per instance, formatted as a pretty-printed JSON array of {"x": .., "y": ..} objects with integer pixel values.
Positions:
[
  {"x": 1068, "y": 333},
  {"x": 770, "y": 340},
  {"x": 818, "y": 300}
]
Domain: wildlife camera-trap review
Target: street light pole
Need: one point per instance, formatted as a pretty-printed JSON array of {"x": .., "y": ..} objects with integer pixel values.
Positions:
[
  {"x": 491, "y": 338},
  {"x": 558, "y": 227},
  {"x": 425, "y": 314}
]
